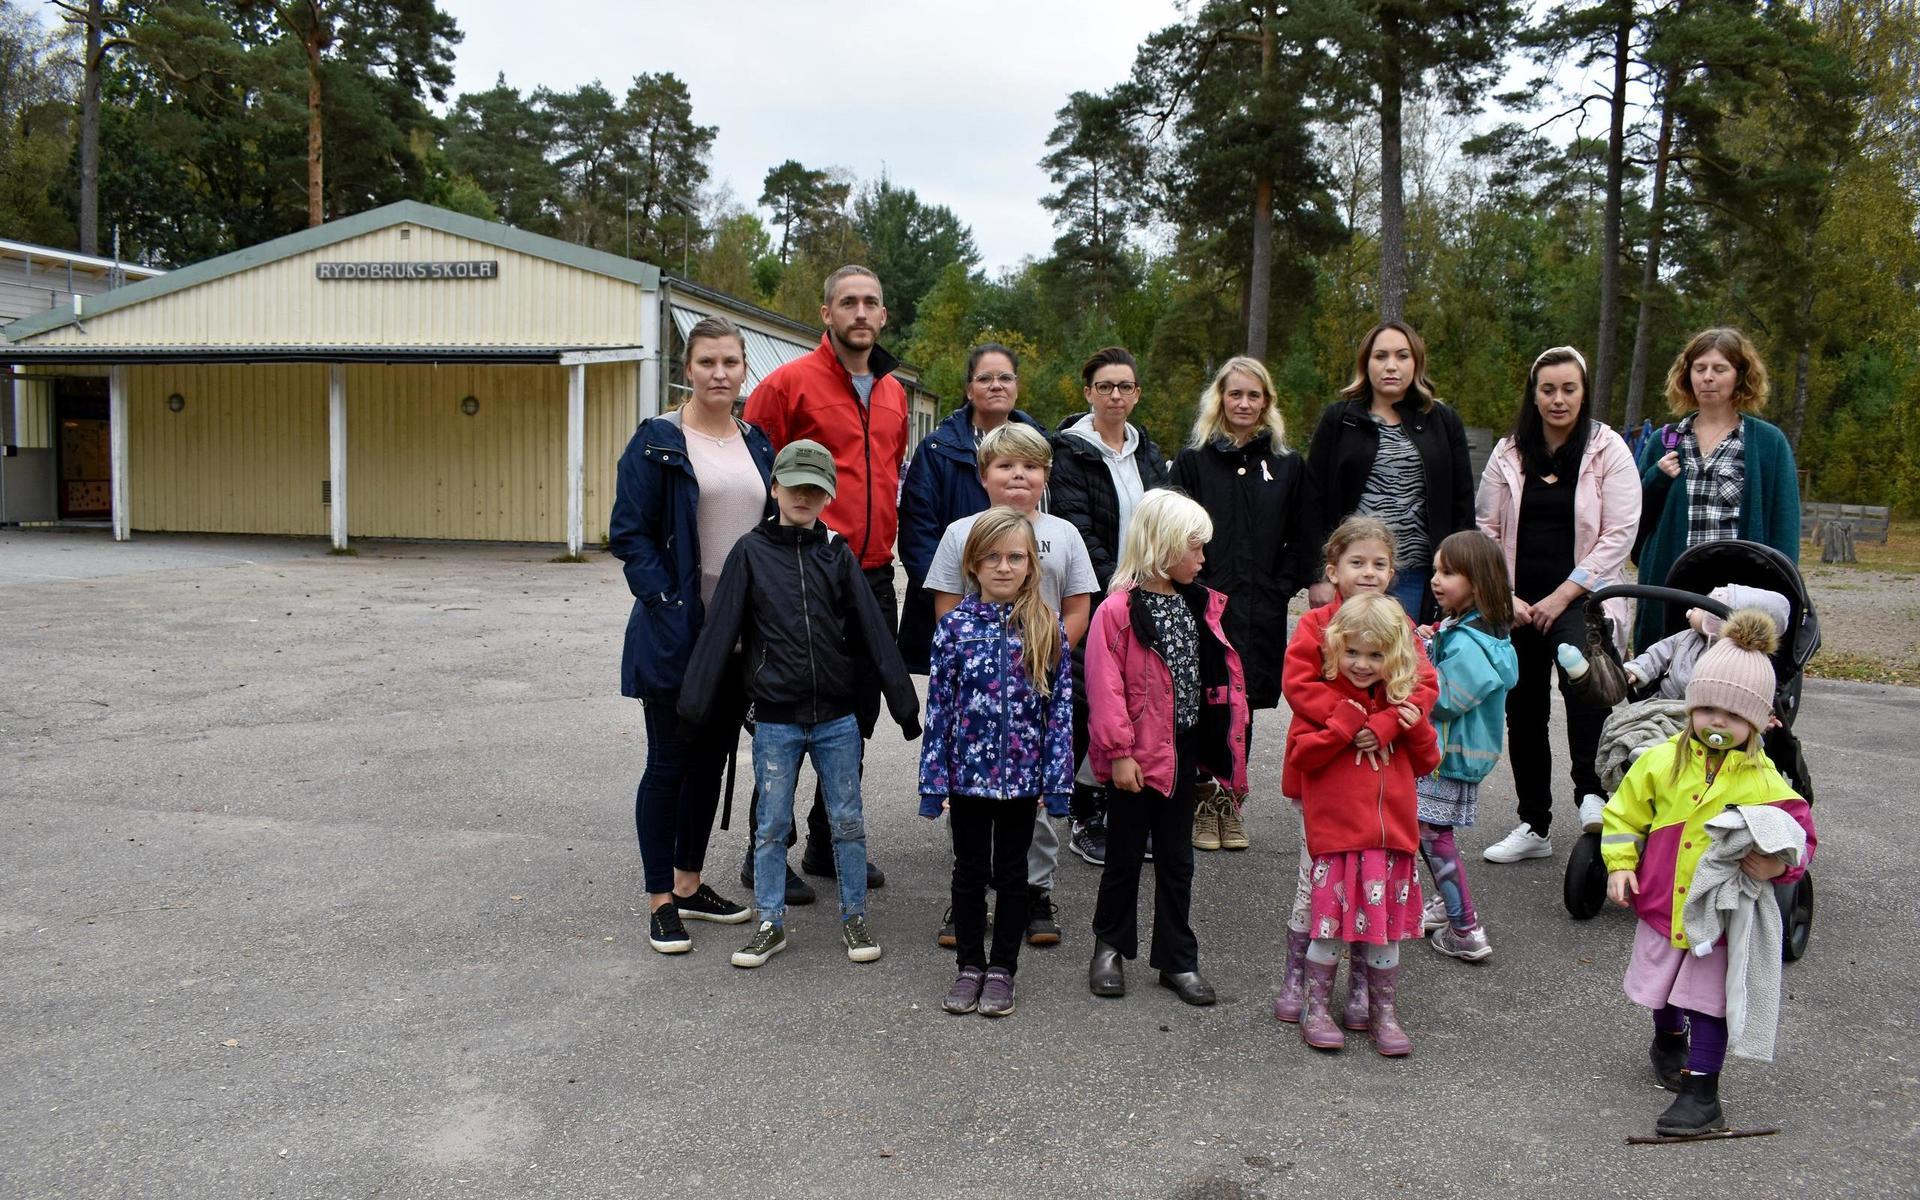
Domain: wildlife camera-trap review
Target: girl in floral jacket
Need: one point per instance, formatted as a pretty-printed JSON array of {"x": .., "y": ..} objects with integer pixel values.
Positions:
[{"x": 999, "y": 740}]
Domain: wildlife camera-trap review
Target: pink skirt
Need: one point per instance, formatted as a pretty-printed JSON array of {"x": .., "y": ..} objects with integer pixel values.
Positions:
[
  {"x": 1365, "y": 896},
  {"x": 1660, "y": 973}
]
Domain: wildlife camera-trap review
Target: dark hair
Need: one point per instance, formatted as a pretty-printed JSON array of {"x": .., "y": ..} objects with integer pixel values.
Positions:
[
  {"x": 1108, "y": 356},
  {"x": 1361, "y": 385},
  {"x": 1530, "y": 432},
  {"x": 714, "y": 329},
  {"x": 1477, "y": 556},
  {"x": 985, "y": 348}
]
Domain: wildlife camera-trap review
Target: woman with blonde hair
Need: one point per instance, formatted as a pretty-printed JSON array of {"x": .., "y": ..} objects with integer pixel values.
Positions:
[
  {"x": 1165, "y": 697},
  {"x": 1738, "y": 471},
  {"x": 1238, "y": 467}
]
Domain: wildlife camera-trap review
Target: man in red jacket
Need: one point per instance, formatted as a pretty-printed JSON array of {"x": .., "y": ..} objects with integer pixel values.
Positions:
[{"x": 844, "y": 396}]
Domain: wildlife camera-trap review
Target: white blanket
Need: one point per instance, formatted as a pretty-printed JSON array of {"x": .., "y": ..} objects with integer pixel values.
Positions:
[{"x": 1725, "y": 899}]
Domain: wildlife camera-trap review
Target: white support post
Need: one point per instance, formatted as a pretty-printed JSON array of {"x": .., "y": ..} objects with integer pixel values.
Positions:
[
  {"x": 337, "y": 450},
  {"x": 576, "y": 456},
  {"x": 652, "y": 382},
  {"x": 117, "y": 449}
]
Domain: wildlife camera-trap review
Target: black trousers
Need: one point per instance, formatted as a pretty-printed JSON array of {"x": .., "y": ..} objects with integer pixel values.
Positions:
[
  {"x": 990, "y": 841},
  {"x": 1131, "y": 816},
  {"x": 1087, "y": 802},
  {"x": 679, "y": 792},
  {"x": 1528, "y": 707},
  {"x": 819, "y": 837}
]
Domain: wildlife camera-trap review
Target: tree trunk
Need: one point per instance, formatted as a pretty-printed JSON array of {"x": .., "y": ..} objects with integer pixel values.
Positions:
[
  {"x": 1798, "y": 420},
  {"x": 1393, "y": 210},
  {"x": 316, "y": 206},
  {"x": 1650, "y": 272},
  {"x": 1601, "y": 403},
  {"x": 1260, "y": 277},
  {"x": 90, "y": 129}
]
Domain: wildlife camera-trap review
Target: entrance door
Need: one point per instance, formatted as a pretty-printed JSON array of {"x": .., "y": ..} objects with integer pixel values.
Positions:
[{"x": 86, "y": 459}]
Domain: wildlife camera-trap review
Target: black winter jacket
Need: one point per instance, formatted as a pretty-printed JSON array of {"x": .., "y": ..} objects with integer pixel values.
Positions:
[
  {"x": 1261, "y": 552},
  {"x": 1341, "y": 457},
  {"x": 1081, "y": 490},
  {"x": 811, "y": 628}
]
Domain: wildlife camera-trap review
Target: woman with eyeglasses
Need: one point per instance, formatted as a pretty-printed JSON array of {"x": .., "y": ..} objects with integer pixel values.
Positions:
[
  {"x": 942, "y": 484},
  {"x": 1389, "y": 449},
  {"x": 1102, "y": 465},
  {"x": 1561, "y": 496}
]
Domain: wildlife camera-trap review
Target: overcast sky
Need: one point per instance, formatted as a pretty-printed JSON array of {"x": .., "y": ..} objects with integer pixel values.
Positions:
[{"x": 954, "y": 100}]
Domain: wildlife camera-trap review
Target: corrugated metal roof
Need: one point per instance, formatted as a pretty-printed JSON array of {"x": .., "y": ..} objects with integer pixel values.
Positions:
[{"x": 765, "y": 353}]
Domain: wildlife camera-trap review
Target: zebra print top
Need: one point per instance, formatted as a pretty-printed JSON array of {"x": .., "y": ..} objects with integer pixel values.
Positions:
[{"x": 1396, "y": 494}]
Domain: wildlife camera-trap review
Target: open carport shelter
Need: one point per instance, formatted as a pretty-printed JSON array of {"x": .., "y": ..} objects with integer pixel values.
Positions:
[{"x": 407, "y": 372}]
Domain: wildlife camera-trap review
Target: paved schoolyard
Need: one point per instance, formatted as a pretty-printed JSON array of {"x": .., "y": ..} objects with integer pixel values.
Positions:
[{"x": 317, "y": 879}]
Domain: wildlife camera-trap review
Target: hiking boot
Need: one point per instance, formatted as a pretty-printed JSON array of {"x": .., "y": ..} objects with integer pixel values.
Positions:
[
  {"x": 1669, "y": 1056},
  {"x": 1696, "y": 1110},
  {"x": 1388, "y": 1037},
  {"x": 860, "y": 944},
  {"x": 1434, "y": 915},
  {"x": 964, "y": 995},
  {"x": 996, "y": 994},
  {"x": 1043, "y": 927},
  {"x": 768, "y": 940},
  {"x": 1523, "y": 842},
  {"x": 1088, "y": 839},
  {"x": 1292, "y": 1000},
  {"x": 1317, "y": 1027},
  {"x": 1470, "y": 945},
  {"x": 665, "y": 933},
  {"x": 1206, "y": 817},
  {"x": 708, "y": 905},
  {"x": 1233, "y": 834},
  {"x": 947, "y": 939}
]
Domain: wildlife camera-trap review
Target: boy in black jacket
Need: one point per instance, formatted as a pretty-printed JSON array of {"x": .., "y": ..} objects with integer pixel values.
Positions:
[{"x": 794, "y": 593}]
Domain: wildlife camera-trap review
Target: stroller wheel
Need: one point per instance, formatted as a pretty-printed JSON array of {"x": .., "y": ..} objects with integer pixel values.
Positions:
[
  {"x": 1796, "y": 917},
  {"x": 1585, "y": 890}
]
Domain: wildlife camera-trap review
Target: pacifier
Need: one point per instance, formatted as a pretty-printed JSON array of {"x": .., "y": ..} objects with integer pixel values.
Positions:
[{"x": 1718, "y": 739}]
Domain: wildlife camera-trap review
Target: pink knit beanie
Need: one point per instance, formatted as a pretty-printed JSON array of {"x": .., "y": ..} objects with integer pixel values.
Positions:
[{"x": 1736, "y": 672}]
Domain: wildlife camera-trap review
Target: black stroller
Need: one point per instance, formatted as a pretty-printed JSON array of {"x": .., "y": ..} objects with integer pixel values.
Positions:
[{"x": 1694, "y": 573}]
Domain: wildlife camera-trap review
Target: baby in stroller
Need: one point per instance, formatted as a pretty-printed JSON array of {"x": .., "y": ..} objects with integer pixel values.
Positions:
[{"x": 1657, "y": 680}]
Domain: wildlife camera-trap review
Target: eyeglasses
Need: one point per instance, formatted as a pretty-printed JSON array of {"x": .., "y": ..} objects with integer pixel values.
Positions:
[
  {"x": 1125, "y": 387},
  {"x": 1005, "y": 379}
]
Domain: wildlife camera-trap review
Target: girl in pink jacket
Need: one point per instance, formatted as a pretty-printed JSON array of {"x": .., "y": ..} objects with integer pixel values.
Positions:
[{"x": 1165, "y": 696}]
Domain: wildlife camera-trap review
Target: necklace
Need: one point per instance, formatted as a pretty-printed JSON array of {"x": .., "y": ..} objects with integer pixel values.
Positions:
[{"x": 732, "y": 432}]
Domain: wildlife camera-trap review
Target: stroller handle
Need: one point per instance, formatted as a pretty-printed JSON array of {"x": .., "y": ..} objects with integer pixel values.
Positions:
[{"x": 1670, "y": 595}]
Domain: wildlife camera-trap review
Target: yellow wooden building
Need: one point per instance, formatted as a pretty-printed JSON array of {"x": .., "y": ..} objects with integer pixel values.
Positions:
[{"x": 407, "y": 372}]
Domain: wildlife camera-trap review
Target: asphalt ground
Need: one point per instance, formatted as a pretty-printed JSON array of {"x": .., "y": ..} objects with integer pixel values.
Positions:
[{"x": 318, "y": 879}]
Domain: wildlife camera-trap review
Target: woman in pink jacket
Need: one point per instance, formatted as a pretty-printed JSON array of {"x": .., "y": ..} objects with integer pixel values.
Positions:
[{"x": 1561, "y": 496}]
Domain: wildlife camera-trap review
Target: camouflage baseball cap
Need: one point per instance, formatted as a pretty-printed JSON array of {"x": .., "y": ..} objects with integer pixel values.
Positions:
[{"x": 804, "y": 463}]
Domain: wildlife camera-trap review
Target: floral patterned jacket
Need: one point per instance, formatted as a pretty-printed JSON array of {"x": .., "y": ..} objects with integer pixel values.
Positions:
[{"x": 989, "y": 731}]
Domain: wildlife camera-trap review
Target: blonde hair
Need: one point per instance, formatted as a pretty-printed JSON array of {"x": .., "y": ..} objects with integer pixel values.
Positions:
[
  {"x": 1164, "y": 526},
  {"x": 1038, "y": 627},
  {"x": 1372, "y": 617},
  {"x": 1750, "y": 384},
  {"x": 1360, "y": 529},
  {"x": 1018, "y": 442},
  {"x": 1211, "y": 420}
]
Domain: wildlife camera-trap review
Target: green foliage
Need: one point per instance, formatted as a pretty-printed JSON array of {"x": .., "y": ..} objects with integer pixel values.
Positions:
[
  {"x": 39, "y": 75},
  {"x": 909, "y": 244}
]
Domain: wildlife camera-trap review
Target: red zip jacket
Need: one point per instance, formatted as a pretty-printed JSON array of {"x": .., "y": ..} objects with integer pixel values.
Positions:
[
  {"x": 1311, "y": 706},
  {"x": 813, "y": 398},
  {"x": 1349, "y": 805}
]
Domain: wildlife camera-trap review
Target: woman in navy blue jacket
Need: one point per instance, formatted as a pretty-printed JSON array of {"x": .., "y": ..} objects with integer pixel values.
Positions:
[
  {"x": 691, "y": 482},
  {"x": 943, "y": 484}
]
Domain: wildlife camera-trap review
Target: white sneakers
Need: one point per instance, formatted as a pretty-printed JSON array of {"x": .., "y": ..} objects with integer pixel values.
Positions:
[
  {"x": 1523, "y": 842},
  {"x": 1592, "y": 812},
  {"x": 1434, "y": 915}
]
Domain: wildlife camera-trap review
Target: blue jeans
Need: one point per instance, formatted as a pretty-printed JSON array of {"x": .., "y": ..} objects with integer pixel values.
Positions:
[
  {"x": 1410, "y": 587},
  {"x": 835, "y": 748}
]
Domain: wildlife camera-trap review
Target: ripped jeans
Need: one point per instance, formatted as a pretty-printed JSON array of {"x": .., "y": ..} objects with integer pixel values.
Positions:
[{"x": 835, "y": 749}]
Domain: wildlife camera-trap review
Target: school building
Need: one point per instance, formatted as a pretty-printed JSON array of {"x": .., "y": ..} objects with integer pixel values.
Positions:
[{"x": 407, "y": 372}]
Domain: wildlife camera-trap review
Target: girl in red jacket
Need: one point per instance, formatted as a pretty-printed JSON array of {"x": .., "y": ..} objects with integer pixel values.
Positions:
[
  {"x": 1359, "y": 560},
  {"x": 1356, "y": 767}
]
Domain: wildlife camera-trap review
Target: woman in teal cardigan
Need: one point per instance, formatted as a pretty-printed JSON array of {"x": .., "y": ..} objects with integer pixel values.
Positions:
[{"x": 1719, "y": 472}]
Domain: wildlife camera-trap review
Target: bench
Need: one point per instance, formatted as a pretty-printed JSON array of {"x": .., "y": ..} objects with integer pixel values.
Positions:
[{"x": 1870, "y": 521}]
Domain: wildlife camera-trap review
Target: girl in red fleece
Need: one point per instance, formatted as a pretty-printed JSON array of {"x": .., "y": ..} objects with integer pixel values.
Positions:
[
  {"x": 1356, "y": 760},
  {"x": 1359, "y": 560}
]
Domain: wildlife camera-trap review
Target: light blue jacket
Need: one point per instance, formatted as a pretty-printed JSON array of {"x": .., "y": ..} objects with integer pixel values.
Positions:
[{"x": 1476, "y": 667}]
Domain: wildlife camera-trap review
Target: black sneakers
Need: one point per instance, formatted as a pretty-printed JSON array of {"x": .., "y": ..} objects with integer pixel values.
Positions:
[
  {"x": 1043, "y": 926},
  {"x": 1088, "y": 839},
  {"x": 799, "y": 891},
  {"x": 665, "y": 933},
  {"x": 947, "y": 939},
  {"x": 708, "y": 905}
]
